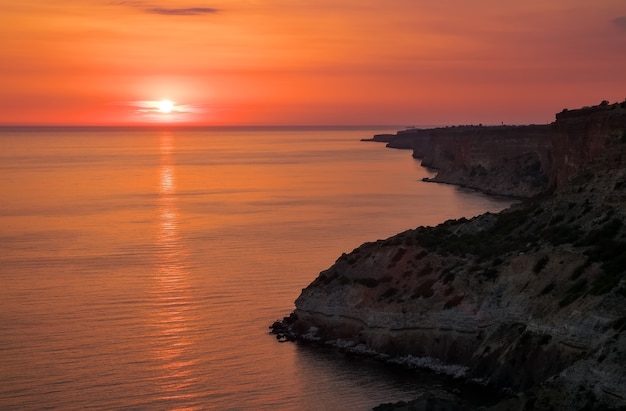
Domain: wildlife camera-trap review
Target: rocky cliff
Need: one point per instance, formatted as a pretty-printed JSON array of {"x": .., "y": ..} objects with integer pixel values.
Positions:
[
  {"x": 581, "y": 136},
  {"x": 518, "y": 161},
  {"x": 531, "y": 300}
]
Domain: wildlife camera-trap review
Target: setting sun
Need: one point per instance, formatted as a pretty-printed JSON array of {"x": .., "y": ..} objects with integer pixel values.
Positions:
[
  {"x": 165, "y": 106},
  {"x": 409, "y": 63}
]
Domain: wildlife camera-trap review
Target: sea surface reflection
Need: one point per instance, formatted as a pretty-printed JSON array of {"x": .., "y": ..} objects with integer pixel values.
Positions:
[
  {"x": 174, "y": 348},
  {"x": 140, "y": 269}
]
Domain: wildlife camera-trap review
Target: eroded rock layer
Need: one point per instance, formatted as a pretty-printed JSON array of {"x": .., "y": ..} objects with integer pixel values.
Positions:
[
  {"x": 532, "y": 300},
  {"x": 518, "y": 161}
]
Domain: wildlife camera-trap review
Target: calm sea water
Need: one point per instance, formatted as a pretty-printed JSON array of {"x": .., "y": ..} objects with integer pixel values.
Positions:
[{"x": 140, "y": 269}]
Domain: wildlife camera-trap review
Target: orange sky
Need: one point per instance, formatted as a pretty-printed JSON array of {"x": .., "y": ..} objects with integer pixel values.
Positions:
[{"x": 304, "y": 62}]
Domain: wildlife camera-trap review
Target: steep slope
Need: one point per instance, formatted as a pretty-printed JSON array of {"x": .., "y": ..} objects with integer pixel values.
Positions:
[
  {"x": 505, "y": 160},
  {"x": 519, "y": 161},
  {"x": 532, "y": 300}
]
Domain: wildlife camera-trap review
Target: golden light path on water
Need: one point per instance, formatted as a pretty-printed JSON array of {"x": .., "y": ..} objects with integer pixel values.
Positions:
[
  {"x": 141, "y": 269},
  {"x": 172, "y": 295}
]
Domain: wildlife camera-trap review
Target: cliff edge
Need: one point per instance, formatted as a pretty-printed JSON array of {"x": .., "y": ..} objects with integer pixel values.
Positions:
[
  {"x": 517, "y": 161},
  {"x": 531, "y": 301}
]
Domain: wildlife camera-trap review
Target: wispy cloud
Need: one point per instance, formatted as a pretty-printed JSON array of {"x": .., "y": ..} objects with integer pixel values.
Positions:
[
  {"x": 192, "y": 11},
  {"x": 620, "y": 22},
  {"x": 153, "y": 110},
  {"x": 167, "y": 11}
]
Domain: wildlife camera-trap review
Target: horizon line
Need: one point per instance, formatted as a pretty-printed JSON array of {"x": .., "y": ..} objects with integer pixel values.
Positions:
[
  {"x": 193, "y": 126},
  {"x": 251, "y": 126}
]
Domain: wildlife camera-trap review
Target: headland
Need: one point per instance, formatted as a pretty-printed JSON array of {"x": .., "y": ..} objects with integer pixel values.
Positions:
[{"x": 530, "y": 302}]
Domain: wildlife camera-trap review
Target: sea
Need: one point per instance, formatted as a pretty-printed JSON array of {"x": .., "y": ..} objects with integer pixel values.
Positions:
[{"x": 140, "y": 268}]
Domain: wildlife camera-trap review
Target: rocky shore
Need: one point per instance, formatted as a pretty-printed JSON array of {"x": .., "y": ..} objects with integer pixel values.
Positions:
[{"x": 530, "y": 302}]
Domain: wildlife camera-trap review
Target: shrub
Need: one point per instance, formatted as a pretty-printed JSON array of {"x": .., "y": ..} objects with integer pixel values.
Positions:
[
  {"x": 544, "y": 339},
  {"x": 368, "y": 282},
  {"x": 389, "y": 293},
  {"x": 540, "y": 264},
  {"x": 425, "y": 271},
  {"x": 425, "y": 289},
  {"x": 580, "y": 269},
  {"x": 508, "y": 222},
  {"x": 490, "y": 273},
  {"x": 561, "y": 234},
  {"x": 396, "y": 258},
  {"x": 606, "y": 232},
  {"x": 432, "y": 237},
  {"x": 557, "y": 219},
  {"x": 609, "y": 279},
  {"x": 421, "y": 255},
  {"x": 548, "y": 288},
  {"x": 448, "y": 277},
  {"x": 568, "y": 300},
  {"x": 619, "y": 323},
  {"x": 574, "y": 292},
  {"x": 453, "y": 302},
  {"x": 578, "y": 287}
]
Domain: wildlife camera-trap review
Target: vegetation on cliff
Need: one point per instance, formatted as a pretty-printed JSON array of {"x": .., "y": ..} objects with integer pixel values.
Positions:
[{"x": 531, "y": 300}]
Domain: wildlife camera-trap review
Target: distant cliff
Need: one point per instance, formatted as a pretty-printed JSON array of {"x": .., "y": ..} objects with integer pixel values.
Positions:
[
  {"x": 531, "y": 300},
  {"x": 518, "y": 161},
  {"x": 581, "y": 136}
]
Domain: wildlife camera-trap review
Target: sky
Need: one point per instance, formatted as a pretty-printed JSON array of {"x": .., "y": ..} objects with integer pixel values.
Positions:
[{"x": 305, "y": 62}]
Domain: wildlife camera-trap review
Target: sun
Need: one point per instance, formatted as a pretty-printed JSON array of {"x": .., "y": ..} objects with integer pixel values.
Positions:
[{"x": 166, "y": 106}]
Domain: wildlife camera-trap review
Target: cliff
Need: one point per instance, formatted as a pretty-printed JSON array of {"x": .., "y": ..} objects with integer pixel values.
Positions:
[
  {"x": 531, "y": 301},
  {"x": 518, "y": 161},
  {"x": 581, "y": 136}
]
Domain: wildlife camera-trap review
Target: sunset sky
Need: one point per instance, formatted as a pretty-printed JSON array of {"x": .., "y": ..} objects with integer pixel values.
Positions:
[{"x": 291, "y": 62}]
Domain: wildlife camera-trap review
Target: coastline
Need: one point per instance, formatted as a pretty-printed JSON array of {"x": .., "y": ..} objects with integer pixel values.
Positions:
[{"x": 528, "y": 302}]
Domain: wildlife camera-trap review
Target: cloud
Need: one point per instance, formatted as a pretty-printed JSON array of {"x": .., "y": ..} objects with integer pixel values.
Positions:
[
  {"x": 192, "y": 11},
  {"x": 154, "y": 107},
  {"x": 167, "y": 11},
  {"x": 620, "y": 22}
]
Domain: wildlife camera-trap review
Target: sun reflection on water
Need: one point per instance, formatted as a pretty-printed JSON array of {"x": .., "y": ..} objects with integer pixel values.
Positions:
[{"x": 173, "y": 345}]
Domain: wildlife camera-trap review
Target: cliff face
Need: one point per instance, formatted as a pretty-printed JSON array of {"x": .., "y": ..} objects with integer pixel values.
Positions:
[
  {"x": 519, "y": 161},
  {"x": 508, "y": 160},
  {"x": 581, "y": 136},
  {"x": 532, "y": 299}
]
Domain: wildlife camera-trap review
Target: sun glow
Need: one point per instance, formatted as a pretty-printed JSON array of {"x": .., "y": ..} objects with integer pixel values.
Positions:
[{"x": 166, "y": 106}]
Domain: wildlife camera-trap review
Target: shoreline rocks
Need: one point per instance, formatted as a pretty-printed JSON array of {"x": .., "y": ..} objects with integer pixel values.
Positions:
[{"x": 530, "y": 301}]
